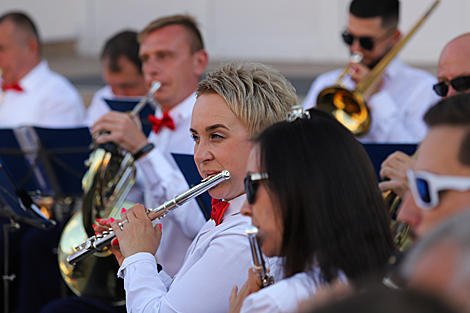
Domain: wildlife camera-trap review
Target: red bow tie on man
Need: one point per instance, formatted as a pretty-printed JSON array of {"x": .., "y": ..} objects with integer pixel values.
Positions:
[
  {"x": 12, "y": 86},
  {"x": 158, "y": 123}
]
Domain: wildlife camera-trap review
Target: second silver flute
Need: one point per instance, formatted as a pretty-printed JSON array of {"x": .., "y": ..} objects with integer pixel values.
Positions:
[
  {"x": 258, "y": 262},
  {"x": 98, "y": 242}
]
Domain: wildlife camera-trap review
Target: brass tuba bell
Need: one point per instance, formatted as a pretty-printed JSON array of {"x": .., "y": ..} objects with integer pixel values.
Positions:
[{"x": 350, "y": 107}]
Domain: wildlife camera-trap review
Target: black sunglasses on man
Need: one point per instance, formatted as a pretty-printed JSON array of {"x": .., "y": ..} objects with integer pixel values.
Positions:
[{"x": 460, "y": 84}]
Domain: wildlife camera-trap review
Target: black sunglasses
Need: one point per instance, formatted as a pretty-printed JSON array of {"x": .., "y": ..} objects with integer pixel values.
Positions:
[
  {"x": 367, "y": 43},
  {"x": 459, "y": 84},
  {"x": 251, "y": 185}
]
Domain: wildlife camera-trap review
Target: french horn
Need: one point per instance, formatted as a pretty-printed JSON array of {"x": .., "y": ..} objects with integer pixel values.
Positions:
[{"x": 107, "y": 182}]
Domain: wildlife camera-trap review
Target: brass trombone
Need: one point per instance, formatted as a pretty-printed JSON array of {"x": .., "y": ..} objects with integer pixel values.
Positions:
[{"x": 350, "y": 107}]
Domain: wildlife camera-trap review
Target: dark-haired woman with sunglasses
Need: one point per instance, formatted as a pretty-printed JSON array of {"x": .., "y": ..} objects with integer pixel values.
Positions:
[{"x": 312, "y": 194}]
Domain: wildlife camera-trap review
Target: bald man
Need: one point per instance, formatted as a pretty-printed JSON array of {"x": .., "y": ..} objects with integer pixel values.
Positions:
[{"x": 453, "y": 73}]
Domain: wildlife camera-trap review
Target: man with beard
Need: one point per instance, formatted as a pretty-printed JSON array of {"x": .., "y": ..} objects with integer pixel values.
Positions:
[{"x": 403, "y": 94}]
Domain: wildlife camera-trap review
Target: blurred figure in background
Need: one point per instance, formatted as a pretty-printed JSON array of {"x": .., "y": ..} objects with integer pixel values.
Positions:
[
  {"x": 453, "y": 72},
  {"x": 440, "y": 178},
  {"x": 403, "y": 95},
  {"x": 440, "y": 262},
  {"x": 31, "y": 95},
  {"x": 122, "y": 72}
]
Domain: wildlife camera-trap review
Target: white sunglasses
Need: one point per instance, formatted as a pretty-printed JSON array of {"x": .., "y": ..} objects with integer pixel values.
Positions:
[{"x": 425, "y": 187}]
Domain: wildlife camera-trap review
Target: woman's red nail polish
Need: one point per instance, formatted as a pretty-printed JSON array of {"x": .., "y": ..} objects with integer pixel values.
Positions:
[
  {"x": 94, "y": 225},
  {"x": 111, "y": 219},
  {"x": 160, "y": 225},
  {"x": 123, "y": 210},
  {"x": 115, "y": 242},
  {"x": 98, "y": 219}
]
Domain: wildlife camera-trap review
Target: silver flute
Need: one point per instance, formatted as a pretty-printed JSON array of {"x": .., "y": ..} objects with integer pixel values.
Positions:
[
  {"x": 258, "y": 262},
  {"x": 98, "y": 242}
]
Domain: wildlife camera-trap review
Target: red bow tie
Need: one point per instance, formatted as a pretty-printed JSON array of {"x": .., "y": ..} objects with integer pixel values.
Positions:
[
  {"x": 12, "y": 86},
  {"x": 157, "y": 123},
  {"x": 218, "y": 209}
]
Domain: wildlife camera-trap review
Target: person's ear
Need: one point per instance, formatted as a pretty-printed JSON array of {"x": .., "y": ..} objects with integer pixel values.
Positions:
[{"x": 200, "y": 60}]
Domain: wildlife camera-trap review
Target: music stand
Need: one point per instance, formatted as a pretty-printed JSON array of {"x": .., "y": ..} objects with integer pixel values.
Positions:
[
  {"x": 16, "y": 204},
  {"x": 379, "y": 152},
  {"x": 63, "y": 152},
  {"x": 187, "y": 166},
  {"x": 127, "y": 105}
]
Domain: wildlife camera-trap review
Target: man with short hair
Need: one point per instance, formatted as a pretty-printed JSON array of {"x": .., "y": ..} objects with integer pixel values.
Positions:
[
  {"x": 122, "y": 72},
  {"x": 31, "y": 93},
  {"x": 402, "y": 97},
  {"x": 453, "y": 73},
  {"x": 440, "y": 178},
  {"x": 172, "y": 52}
]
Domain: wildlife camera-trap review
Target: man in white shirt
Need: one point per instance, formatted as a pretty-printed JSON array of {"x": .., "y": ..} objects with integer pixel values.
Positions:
[
  {"x": 122, "y": 72},
  {"x": 31, "y": 93},
  {"x": 403, "y": 95},
  {"x": 439, "y": 180},
  {"x": 172, "y": 52},
  {"x": 453, "y": 72}
]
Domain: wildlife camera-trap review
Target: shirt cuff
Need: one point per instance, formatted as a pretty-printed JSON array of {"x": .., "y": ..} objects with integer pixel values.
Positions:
[{"x": 136, "y": 258}]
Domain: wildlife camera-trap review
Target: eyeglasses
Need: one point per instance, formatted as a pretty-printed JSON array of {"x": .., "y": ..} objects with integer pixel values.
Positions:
[
  {"x": 367, "y": 43},
  {"x": 425, "y": 187},
  {"x": 252, "y": 184},
  {"x": 459, "y": 84}
]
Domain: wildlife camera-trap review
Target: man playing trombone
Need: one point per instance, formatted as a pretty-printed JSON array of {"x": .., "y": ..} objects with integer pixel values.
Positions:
[{"x": 402, "y": 95}]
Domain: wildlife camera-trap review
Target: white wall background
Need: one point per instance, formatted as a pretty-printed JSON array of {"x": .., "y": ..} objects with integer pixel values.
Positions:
[{"x": 295, "y": 31}]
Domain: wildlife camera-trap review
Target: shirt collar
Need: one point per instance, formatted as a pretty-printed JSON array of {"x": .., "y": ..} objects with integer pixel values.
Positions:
[
  {"x": 394, "y": 68},
  {"x": 35, "y": 76},
  {"x": 235, "y": 205},
  {"x": 182, "y": 111}
]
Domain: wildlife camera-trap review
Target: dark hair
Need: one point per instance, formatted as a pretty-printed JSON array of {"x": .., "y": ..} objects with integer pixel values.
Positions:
[
  {"x": 333, "y": 213},
  {"x": 388, "y": 10},
  {"x": 24, "y": 22},
  {"x": 123, "y": 44},
  {"x": 186, "y": 21},
  {"x": 385, "y": 300},
  {"x": 453, "y": 111}
]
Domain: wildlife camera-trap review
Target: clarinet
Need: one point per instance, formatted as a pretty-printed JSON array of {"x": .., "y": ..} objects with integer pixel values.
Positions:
[
  {"x": 258, "y": 262},
  {"x": 98, "y": 242}
]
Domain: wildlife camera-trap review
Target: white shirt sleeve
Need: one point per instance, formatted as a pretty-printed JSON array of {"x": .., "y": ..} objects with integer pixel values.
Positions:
[
  {"x": 203, "y": 284},
  {"x": 284, "y": 296}
]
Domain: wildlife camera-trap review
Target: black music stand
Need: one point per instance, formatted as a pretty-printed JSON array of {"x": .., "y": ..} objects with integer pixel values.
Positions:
[
  {"x": 187, "y": 166},
  {"x": 127, "y": 106},
  {"x": 16, "y": 205},
  {"x": 63, "y": 153},
  {"x": 48, "y": 161}
]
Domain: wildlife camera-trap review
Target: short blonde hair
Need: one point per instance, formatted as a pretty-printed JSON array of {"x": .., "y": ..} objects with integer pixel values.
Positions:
[
  {"x": 186, "y": 21},
  {"x": 258, "y": 94}
]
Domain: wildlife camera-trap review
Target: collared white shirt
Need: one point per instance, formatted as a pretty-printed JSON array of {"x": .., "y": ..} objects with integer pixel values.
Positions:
[
  {"x": 218, "y": 258},
  {"x": 160, "y": 179},
  {"x": 48, "y": 100},
  {"x": 397, "y": 110}
]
